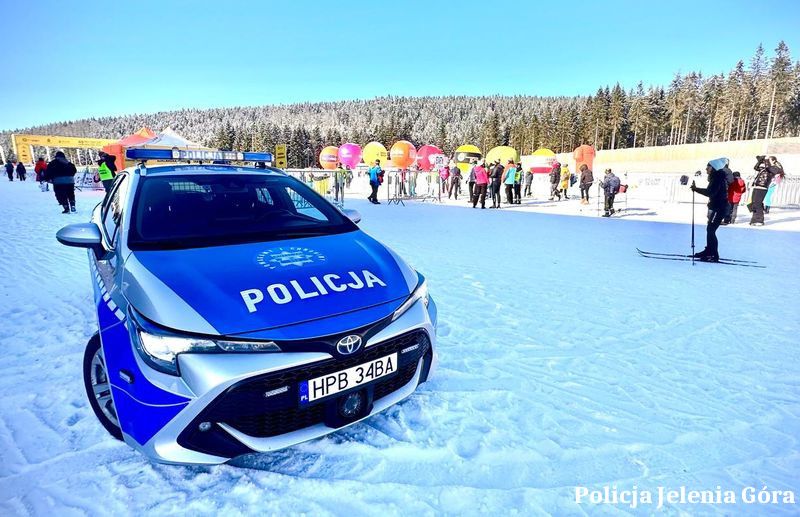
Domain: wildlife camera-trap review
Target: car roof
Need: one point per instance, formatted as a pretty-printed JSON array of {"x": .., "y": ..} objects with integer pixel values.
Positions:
[{"x": 202, "y": 168}]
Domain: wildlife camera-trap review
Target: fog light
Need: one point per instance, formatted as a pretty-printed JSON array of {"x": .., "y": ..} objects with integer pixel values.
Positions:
[
  {"x": 351, "y": 405},
  {"x": 204, "y": 426}
]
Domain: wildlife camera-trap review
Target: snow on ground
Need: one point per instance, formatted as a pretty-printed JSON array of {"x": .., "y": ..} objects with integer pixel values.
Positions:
[{"x": 565, "y": 360}]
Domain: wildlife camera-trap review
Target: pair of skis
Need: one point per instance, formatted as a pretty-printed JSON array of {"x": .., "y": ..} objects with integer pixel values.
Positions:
[{"x": 686, "y": 258}]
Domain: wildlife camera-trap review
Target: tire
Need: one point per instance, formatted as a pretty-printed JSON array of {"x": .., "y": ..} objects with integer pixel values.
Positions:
[{"x": 98, "y": 389}]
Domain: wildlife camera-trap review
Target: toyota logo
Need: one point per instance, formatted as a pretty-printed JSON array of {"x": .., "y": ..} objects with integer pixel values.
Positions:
[{"x": 349, "y": 345}]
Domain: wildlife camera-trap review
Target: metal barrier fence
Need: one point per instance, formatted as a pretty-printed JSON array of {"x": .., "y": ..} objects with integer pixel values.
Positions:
[{"x": 329, "y": 184}]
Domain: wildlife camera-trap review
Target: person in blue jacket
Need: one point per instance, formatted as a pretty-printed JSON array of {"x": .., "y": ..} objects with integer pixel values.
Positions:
[{"x": 374, "y": 182}]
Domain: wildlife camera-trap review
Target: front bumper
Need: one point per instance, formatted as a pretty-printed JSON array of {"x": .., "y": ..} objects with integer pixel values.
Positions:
[{"x": 249, "y": 402}]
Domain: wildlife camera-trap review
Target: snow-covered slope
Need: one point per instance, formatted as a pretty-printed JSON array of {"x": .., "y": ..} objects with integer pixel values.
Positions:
[{"x": 565, "y": 360}]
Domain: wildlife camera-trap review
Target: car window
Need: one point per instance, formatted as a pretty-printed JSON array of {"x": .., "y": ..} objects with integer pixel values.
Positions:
[
  {"x": 197, "y": 210},
  {"x": 114, "y": 207}
]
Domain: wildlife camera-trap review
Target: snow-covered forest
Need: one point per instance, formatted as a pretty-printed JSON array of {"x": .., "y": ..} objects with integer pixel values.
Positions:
[{"x": 758, "y": 98}]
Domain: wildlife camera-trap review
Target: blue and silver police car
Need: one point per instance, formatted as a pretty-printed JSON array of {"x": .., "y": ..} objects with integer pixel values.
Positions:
[{"x": 239, "y": 311}]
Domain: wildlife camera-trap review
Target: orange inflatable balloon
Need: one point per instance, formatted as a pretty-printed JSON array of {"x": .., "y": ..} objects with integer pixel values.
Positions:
[
  {"x": 584, "y": 154},
  {"x": 403, "y": 154},
  {"x": 329, "y": 157}
]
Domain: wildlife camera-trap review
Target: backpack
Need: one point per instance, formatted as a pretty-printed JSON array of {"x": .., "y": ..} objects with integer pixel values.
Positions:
[
  {"x": 572, "y": 179},
  {"x": 380, "y": 177}
]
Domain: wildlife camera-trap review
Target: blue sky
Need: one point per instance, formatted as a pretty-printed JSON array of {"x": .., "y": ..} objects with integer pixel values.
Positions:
[{"x": 65, "y": 60}]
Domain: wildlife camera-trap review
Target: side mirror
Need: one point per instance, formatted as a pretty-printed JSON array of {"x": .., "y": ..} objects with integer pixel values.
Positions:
[
  {"x": 353, "y": 215},
  {"x": 82, "y": 235}
]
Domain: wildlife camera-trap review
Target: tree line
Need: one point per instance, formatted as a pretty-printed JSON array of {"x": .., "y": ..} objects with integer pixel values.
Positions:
[{"x": 757, "y": 99}]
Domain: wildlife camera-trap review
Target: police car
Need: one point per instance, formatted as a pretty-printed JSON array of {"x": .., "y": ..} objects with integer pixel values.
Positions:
[{"x": 239, "y": 311}]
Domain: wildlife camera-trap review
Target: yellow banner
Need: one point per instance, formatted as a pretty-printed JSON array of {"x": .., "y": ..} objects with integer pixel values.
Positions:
[
  {"x": 22, "y": 144},
  {"x": 280, "y": 156}
]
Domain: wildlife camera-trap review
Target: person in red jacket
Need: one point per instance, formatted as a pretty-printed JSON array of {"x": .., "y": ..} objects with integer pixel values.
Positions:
[
  {"x": 39, "y": 169},
  {"x": 735, "y": 192}
]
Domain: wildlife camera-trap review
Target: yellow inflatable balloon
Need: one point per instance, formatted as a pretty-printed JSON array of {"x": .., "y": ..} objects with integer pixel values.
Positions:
[
  {"x": 502, "y": 153},
  {"x": 375, "y": 151},
  {"x": 464, "y": 154}
]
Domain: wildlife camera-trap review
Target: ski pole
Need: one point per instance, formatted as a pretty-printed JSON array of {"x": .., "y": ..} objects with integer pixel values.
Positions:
[{"x": 693, "y": 224}]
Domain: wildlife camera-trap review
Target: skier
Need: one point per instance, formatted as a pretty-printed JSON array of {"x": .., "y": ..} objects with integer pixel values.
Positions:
[
  {"x": 481, "y": 183},
  {"x": 21, "y": 171},
  {"x": 518, "y": 184},
  {"x": 717, "y": 194},
  {"x": 585, "y": 183},
  {"x": 39, "y": 169},
  {"x": 62, "y": 174},
  {"x": 509, "y": 174},
  {"x": 555, "y": 177},
  {"x": 766, "y": 169},
  {"x": 610, "y": 186},
  {"x": 735, "y": 192},
  {"x": 496, "y": 176},
  {"x": 10, "y": 170},
  {"x": 374, "y": 182},
  {"x": 564, "y": 185}
]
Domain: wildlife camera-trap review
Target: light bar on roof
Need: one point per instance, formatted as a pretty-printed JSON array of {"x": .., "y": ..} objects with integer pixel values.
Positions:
[{"x": 196, "y": 155}]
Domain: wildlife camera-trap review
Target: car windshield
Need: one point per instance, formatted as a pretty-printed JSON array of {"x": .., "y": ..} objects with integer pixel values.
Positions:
[{"x": 200, "y": 210}]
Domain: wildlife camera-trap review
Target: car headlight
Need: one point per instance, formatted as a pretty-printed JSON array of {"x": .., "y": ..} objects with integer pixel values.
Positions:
[
  {"x": 420, "y": 293},
  {"x": 160, "y": 348}
]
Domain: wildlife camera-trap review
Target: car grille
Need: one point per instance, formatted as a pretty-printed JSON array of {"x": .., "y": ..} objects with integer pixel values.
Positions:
[{"x": 245, "y": 407}]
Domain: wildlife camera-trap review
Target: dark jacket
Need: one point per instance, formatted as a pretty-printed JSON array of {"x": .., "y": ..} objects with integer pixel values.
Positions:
[
  {"x": 21, "y": 168},
  {"x": 9, "y": 168},
  {"x": 764, "y": 176},
  {"x": 610, "y": 184},
  {"x": 586, "y": 177},
  {"x": 555, "y": 175},
  {"x": 61, "y": 171},
  {"x": 497, "y": 173},
  {"x": 716, "y": 191}
]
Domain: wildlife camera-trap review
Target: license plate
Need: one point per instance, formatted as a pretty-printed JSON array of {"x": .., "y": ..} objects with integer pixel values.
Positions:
[{"x": 337, "y": 382}]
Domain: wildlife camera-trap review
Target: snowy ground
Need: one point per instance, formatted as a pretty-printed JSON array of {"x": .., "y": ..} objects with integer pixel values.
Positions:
[{"x": 565, "y": 361}]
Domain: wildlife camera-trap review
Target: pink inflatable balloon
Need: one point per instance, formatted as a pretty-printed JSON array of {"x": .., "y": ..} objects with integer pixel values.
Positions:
[
  {"x": 350, "y": 155},
  {"x": 423, "y": 156}
]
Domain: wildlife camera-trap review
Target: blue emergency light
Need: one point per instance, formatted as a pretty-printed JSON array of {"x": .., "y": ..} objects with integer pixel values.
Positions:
[{"x": 196, "y": 155}]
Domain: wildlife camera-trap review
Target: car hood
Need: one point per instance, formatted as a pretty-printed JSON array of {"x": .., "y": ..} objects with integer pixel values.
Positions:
[{"x": 244, "y": 288}]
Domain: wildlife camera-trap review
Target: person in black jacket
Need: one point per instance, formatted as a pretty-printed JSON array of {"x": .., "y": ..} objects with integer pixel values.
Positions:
[
  {"x": 495, "y": 176},
  {"x": 10, "y": 170},
  {"x": 61, "y": 172},
  {"x": 22, "y": 172},
  {"x": 718, "y": 207},
  {"x": 766, "y": 169}
]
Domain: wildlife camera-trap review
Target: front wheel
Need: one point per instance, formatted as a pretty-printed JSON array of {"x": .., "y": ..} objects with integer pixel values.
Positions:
[{"x": 98, "y": 387}]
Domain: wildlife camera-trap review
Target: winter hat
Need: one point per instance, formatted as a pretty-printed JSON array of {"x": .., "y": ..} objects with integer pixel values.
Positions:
[
  {"x": 718, "y": 163},
  {"x": 60, "y": 154}
]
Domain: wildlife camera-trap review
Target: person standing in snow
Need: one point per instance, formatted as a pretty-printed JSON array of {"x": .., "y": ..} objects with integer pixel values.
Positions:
[
  {"x": 555, "y": 178},
  {"x": 564, "y": 185},
  {"x": 717, "y": 194},
  {"x": 455, "y": 182},
  {"x": 496, "y": 176},
  {"x": 374, "y": 182},
  {"x": 776, "y": 180},
  {"x": 509, "y": 174},
  {"x": 518, "y": 184},
  {"x": 107, "y": 170},
  {"x": 10, "y": 170},
  {"x": 22, "y": 172},
  {"x": 528, "y": 183},
  {"x": 471, "y": 179},
  {"x": 766, "y": 169},
  {"x": 585, "y": 183},
  {"x": 39, "y": 169},
  {"x": 735, "y": 192},
  {"x": 481, "y": 184},
  {"x": 610, "y": 186},
  {"x": 61, "y": 172}
]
